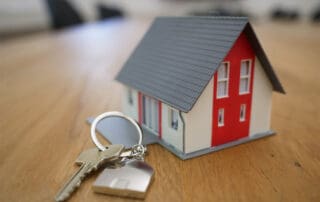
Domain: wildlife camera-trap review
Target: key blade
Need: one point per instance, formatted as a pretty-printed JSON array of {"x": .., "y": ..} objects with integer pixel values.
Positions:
[
  {"x": 74, "y": 182},
  {"x": 90, "y": 160}
]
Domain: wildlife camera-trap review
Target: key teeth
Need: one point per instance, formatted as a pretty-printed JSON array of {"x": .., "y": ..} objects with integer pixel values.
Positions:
[
  {"x": 87, "y": 172},
  {"x": 67, "y": 195},
  {"x": 63, "y": 197},
  {"x": 81, "y": 178}
]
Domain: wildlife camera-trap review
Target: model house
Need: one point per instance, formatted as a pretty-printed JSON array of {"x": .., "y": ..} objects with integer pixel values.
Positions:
[{"x": 200, "y": 84}]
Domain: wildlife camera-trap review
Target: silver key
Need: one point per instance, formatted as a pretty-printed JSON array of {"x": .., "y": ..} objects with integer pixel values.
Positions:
[{"x": 90, "y": 160}]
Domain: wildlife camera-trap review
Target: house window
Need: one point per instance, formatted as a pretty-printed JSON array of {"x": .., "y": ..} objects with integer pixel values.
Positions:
[
  {"x": 130, "y": 96},
  {"x": 242, "y": 113},
  {"x": 245, "y": 77},
  {"x": 221, "y": 117},
  {"x": 223, "y": 80},
  {"x": 173, "y": 119}
]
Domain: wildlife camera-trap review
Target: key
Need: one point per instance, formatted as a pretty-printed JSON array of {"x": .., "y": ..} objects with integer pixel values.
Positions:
[
  {"x": 89, "y": 160},
  {"x": 129, "y": 175}
]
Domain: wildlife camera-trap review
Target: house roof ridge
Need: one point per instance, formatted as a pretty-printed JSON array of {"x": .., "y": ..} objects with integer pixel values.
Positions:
[{"x": 205, "y": 17}]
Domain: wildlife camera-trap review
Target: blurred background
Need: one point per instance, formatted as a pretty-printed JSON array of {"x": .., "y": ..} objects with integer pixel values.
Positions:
[{"x": 19, "y": 18}]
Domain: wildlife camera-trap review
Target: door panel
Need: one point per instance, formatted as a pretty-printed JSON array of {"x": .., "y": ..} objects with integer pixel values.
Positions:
[{"x": 149, "y": 115}]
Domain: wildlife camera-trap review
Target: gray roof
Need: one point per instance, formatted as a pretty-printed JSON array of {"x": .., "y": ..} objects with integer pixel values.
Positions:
[{"x": 179, "y": 55}]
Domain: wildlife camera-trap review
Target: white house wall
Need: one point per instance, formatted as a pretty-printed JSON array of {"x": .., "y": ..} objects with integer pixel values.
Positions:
[
  {"x": 261, "y": 101},
  {"x": 170, "y": 135},
  {"x": 130, "y": 109},
  {"x": 198, "y": 122}
]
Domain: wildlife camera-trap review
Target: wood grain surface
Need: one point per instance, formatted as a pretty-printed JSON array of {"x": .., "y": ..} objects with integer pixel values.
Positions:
[{"x": 51, "y": 82}]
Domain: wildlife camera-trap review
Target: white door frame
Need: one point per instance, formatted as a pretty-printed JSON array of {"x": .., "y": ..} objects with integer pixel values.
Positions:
[{"x": 150, "y": 114}]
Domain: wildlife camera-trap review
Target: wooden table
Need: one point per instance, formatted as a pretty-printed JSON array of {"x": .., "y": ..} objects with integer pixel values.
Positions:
[{"x": 51, "y": 82}]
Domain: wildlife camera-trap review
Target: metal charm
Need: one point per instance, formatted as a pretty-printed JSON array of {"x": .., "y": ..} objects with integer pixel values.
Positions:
[{"x": 130, "y": 180}]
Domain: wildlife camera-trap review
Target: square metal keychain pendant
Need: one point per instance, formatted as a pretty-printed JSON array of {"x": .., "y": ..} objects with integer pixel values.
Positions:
[{"x": 130, "y": 180}]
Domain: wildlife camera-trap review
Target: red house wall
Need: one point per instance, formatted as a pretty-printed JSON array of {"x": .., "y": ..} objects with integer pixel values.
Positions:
[{"x": 233, "y": 129}]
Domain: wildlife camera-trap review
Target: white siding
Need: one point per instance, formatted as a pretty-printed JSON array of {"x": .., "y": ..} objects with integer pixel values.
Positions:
[
  {"x": 130, "y": 109},
  {"x": 261, "y": 101},
  {"x": 170, "y": 135},
  {"x": 198, "y": 122}
]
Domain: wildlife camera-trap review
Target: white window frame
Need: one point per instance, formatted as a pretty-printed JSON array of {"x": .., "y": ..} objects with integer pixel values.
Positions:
[
  {"x": 248, "y": 77},
  {"x": 243, "y": 109},
  {"x": 221, "y": 112},
  {"x": 130, "y": 96},
  {"x": 223, "y": 80},
  {"x": 171, "y": 123}
]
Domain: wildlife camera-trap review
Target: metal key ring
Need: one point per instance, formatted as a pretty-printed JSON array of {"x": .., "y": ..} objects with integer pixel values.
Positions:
[{"x": 111, "y": 114}]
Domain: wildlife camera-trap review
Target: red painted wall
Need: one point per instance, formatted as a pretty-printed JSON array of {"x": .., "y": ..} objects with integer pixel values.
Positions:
[{"x": 233, "y": 129}]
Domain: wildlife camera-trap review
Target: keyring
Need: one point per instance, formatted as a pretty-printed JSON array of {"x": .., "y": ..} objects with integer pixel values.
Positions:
[{"x": 112, "y": 114}]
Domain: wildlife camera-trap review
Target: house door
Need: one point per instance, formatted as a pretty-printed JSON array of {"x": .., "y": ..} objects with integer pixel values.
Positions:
[
  {"x": 233, "y": 84},
  {"x": 150, "y": 113}
]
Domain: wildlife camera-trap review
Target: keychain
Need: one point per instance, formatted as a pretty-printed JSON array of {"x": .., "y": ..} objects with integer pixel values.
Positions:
[
  {"x": 126, "y": 174},
  {"x": 133, "y": 176}
]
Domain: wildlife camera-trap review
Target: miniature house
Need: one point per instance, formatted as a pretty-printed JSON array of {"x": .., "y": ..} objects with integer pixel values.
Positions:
[{"x": 200, "y": 84}]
